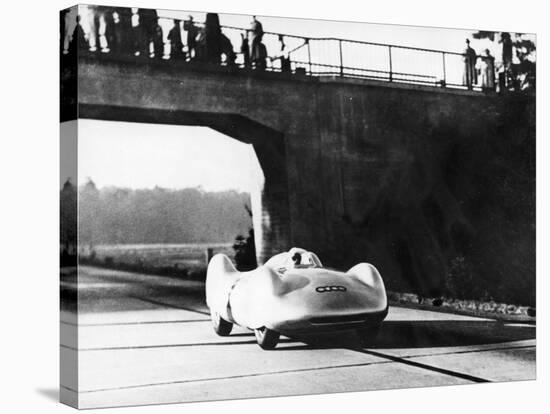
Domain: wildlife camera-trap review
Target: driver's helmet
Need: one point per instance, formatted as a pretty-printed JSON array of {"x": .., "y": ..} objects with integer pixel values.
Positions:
[
  {"x": 295, "y": 258},
  {"x": 301, "y": 259}
]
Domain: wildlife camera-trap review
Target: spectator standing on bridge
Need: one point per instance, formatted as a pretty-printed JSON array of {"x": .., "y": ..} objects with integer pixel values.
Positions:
[
  {"x": 94, "y": 21},
  {"x": 200, "y": 45},
  {"x": 227, "y": 50},
  {"x": 487, "y": 71},
  {"x": 192, "y": 32},
  {"x": 109, "y": 31},
  {"x": 70, "y": 22},
  {"x": 78, "y": 40},
  {"x": 148, "y": 22},
  {"x": 470, "y": 73},
  {"x": 260, "y": 60},
  {"x": 123, "y": 32},
  {"x": 212, "y": 38},
  {"x": 245, "y": 49},
  {"x": 257, "y": 33},
  {"x": 176, "y": 44},
  {"x": 104, "y": 25},
  {"x": 158, "y": 40},
  {"x": 507, "y": 47},
  {"x": 506, "y": 76},
  {"x": 62, "y": 28},
  {"x": 136, "y": 38}
]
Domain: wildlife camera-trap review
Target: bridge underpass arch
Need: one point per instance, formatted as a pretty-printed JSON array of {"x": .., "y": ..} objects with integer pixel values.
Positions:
[{"x": 270, "y": 204}]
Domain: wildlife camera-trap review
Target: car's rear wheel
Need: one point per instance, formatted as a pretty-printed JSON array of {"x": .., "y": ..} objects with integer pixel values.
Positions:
[
  {"x": 221, "y": 326},
  {"x": 368, "y": 334},
  {"x": 267, "y": 338}
]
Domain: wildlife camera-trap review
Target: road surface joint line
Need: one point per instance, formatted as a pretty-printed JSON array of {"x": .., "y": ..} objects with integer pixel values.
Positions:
[
  {"x": 168, "y": 305},
  {"x": 134, "y": 347},
  {"x": 471, "y": 351},
  {"x": 138, "y": 347},
  {"x": 389, "y": 359},
  {"x": 259, "y": 374},
  {"x": 141, "y": 347},
  {"x": 421, "y": 365}
]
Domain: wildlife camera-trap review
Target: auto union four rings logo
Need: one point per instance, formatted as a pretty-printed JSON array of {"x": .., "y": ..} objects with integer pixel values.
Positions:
[{"x": 322, "y": 289}]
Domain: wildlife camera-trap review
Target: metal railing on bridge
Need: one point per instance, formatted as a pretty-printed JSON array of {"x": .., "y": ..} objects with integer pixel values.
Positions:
[
  {"x": 285, "y": 53},
  {"x": 358, "y": 59}
]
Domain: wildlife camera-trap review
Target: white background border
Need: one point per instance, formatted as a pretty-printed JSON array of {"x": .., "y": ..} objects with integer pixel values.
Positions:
[{"x": 29, "y": 163}]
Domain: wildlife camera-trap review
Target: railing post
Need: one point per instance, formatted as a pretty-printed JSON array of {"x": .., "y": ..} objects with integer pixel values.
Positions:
[
  {"x": 308, "y": 55},
  {"x": 391, "y": 69},
  {"x": 444, "y": 71},
  {"x": 341, "y": 58}
]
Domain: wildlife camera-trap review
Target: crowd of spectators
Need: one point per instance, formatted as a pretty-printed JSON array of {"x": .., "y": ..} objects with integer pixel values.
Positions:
[{"x": 137, "y": 32}]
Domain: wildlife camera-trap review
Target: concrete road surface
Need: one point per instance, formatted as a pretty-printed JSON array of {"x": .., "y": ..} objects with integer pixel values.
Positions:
[{"x": 148, "y": 339}]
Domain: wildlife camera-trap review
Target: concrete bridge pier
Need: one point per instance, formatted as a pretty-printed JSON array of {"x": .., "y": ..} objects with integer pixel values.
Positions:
[
  {"x": 271, "y": 219},
  {"x": 270, "y": 200}
]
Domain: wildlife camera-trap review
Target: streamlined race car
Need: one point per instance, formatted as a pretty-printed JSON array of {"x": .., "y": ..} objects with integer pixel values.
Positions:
[{"x": 292, "y": 293}]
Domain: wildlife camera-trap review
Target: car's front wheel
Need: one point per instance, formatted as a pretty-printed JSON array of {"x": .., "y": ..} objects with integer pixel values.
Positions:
[
  {"x": 266, "y": 338},
  {"x": 221, "y": 326}
]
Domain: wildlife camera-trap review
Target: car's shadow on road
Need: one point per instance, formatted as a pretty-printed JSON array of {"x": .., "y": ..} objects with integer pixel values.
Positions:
[{"x": 421, "y": 334}]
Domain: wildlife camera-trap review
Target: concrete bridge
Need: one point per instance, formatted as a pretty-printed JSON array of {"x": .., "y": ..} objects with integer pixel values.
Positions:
[{"x": 411, "y": 178}]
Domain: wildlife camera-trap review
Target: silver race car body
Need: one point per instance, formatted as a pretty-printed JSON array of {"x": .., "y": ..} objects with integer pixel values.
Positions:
[{"x": 293, "y": 293}]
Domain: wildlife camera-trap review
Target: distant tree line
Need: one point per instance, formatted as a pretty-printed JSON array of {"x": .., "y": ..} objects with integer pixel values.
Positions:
[{"x": 121, "y": 216}]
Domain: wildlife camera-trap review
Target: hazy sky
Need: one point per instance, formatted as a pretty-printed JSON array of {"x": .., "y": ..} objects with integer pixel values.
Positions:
[{"x": 139, "y": 155}]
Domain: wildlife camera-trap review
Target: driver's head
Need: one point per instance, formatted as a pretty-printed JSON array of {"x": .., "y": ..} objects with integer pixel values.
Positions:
[{"x": 297, "y": 258}]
